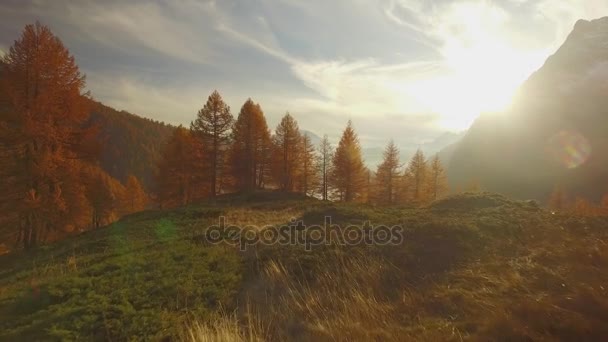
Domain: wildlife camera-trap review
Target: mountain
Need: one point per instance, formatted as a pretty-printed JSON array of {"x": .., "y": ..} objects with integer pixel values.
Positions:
[
  {"x": 314, "y": 139},
  {"x": 130, "y": 144},
  {"x": 555, "y": 132},
  {"x": 373, "y": 155}
]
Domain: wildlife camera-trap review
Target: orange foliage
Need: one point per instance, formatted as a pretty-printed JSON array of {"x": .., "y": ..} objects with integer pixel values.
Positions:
[
  {"x": 250, "y": 149},
  {"x": 43, "y": 119},
  {"x": 348, "y": 176}
]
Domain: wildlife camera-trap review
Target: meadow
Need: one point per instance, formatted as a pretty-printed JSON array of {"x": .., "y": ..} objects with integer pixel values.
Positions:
[{"x": 475, "y": 266}]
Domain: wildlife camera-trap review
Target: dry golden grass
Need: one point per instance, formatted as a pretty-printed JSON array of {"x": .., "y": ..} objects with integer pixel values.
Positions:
[{"x": 503, "y": 272}]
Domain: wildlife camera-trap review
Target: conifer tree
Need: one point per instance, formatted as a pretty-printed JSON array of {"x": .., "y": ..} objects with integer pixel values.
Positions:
[
  {"x": 348, "y": 170},
  {"x": 387, "y": 175},
  {"x": 325, "y": 157},
  {"x": 178, "y": 171},
  {"x": 136, "y": 198},
  {"x": 437, "y": 180},
  {"x": 251, "y": 148},
  {"x": 106, "y": 196},
  {"x": 212, "y": 126},
  {"x": 42, "y": 120},
  {"x": 416, "y": 173},
  {"x": 287, "y": 142},
  {"x": 309, "y": 170}
]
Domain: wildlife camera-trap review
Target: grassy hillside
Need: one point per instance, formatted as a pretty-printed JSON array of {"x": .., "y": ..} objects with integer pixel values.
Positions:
[{"x": 475, "y": 266}]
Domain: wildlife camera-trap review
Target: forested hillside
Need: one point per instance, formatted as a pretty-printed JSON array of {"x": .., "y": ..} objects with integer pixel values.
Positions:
[
  {"x": 69, "y": 164},
  {"x": 130, "y": 144}
]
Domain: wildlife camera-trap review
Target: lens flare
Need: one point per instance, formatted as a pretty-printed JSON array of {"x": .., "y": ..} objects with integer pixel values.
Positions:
[{"x": 570, "y": 148}]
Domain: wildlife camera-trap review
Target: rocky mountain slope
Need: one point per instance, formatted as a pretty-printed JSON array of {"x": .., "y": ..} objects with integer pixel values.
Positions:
[{"x": 555, "y": 134}]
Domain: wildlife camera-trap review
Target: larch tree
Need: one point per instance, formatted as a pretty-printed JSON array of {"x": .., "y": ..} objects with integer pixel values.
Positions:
[
  {"x": 324, "y": 163},
  {"x": 387, "y": 175},
  {"x": 42, "y": 121},
  {"x": 437, "y": 179},
  {"x": 178, "y": 171},
  {"x": 135, "y": 197},
  {"x": 106, "y": 196},
  {"x": 287, "y": 142},
  {"x": 348, "y": 173},
  {"x": 251, "y": 147},
  {"x": 416, "y": 173},
  {"x": 309, "y": 170},
  {"x": 212, "y": 127}
]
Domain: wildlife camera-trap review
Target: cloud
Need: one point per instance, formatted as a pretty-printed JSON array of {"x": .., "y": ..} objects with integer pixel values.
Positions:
[
  {"x": 356, "y": 88},
  {"x": 397, "y": 67}
]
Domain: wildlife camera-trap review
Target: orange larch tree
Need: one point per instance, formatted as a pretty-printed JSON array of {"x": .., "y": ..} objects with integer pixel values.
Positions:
[
  {"x": 286, "y": 153},
  {"x": 178, "y": 171},
  {"x": 437, "y": 179},
  {"x": 387, "y": 175},
  {"x": 212, "y": 126},
  {"x": 250, "y": 149},
  {"x": 416, "y": 174},
  {"x": 44, "y": 111},
  {"x": 348, "y": 174},
  {"x": 135, "y": 197}
]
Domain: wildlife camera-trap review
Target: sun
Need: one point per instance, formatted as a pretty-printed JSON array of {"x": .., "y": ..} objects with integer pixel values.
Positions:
[
  {"x": 481, "y": 72},
  {"x": 481, "y": 79}
]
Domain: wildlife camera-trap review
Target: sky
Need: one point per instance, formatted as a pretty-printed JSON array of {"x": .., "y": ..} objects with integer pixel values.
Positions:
[{"x": 403, "y": 69}]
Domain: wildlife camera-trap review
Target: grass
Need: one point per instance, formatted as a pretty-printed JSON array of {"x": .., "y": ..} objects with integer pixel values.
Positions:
[{"x": 470, "y": 267}]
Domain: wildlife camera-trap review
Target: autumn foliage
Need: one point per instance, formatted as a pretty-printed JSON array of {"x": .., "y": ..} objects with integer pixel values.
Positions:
[
  {"x": 67, "y": 171},
  {"x": 47, "y": 154},
  {"x": 348, "y": 173}
]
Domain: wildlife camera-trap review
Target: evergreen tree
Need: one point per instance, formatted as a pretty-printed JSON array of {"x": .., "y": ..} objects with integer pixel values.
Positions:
[
  {"x": 212, "y": 126},
  {"x": 348, "y": 170}
]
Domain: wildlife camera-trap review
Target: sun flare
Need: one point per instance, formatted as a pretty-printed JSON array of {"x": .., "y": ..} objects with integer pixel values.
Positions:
[{"x": 483, "y": 69}]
